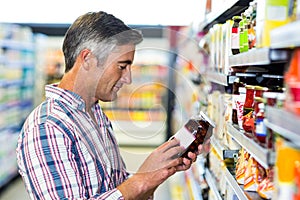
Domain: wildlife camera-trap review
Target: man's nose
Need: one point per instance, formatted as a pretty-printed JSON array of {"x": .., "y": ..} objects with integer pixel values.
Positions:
[{"x": 127, "y": 77}]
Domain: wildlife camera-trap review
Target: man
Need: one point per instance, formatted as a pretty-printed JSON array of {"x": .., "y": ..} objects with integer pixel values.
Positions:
[{"x": 67, "y": 149}]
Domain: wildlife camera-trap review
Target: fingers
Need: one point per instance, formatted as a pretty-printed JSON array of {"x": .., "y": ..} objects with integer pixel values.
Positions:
[
  {"x": 200, "y": 148},
  {"x": 192, "y": 156},
  {"x": 204, "y": 147},
  {"x": 186, "y": 164},
  {"x": 167, "y": 145},
  {"x": 175, "y": 162},
  {"x": 175, "y": 152}
]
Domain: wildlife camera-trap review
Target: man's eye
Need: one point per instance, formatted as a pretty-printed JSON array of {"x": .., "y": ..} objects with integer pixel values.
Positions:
[{"x": 122, "y": 67}]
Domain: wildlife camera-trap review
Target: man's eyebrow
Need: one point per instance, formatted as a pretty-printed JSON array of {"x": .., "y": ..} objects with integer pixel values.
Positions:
[{"x": 128, "y": 62}]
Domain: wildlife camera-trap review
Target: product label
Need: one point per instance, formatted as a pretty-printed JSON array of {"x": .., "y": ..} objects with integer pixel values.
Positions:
[
  {"x": 260, "y": 128},
  {"x": 277, "y": 13},
  {"x": 239, "y": 107},
  {"x": 235, "y": 30},
  {"x": 235, "y": 41},
  {"x": 185, "y": 137}
]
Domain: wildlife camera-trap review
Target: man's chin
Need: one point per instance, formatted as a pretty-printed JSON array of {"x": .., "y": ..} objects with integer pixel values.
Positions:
[{"x": 112, "y": 98}]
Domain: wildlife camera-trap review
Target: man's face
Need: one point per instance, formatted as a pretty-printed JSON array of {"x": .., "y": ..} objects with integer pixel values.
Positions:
[{"x": 117, "y": 71}]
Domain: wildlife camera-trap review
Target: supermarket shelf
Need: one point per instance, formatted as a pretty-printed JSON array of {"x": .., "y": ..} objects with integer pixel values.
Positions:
[
  {"x": 17, "y": 45},
  {"x": 221, "y": 150},
  {"x": 235, "y": 186},
  {"x": 285, "y": 123},
  {"x": 259, "y": 153},
  {"x": 217, "y": 78},
  {"x": 289, "y": 32},
  {"x": 263, "y": 56},
  {"x": 227, "y": 11},
  {"x": 212, "y": 185},
  {"x": 218, "y": 147},
  {"x": 238, "y": 190},
  {"x": 16, "y": 64},
  {"x": 193, "y": 186},
  {"x": 8, "y": 83}
]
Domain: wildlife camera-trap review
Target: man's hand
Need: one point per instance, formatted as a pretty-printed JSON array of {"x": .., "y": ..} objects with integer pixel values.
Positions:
[
  {"x": 164, "y": 157},
  {"x": 187, "y": 162},
  {"x": 158, "y": 166}
]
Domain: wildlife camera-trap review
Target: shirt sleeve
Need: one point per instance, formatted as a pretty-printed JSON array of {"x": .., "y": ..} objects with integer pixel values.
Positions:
[{"x": 49, "y": 168}]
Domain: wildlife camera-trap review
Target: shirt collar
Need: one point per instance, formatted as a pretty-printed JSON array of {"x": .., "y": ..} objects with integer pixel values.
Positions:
[{"x": 66, "y": 96}]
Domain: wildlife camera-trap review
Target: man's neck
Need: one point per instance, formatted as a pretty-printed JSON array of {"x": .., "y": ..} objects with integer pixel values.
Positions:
[{"x": 73, "y": 82}]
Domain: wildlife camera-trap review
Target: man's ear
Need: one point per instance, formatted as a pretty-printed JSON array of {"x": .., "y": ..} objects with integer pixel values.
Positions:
[{"x": 85, "y": 58}]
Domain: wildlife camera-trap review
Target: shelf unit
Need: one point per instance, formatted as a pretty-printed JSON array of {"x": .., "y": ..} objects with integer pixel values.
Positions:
[
  {"x": 254, "y": 60},
  {"x": 222, "y": 151},
  {"x": 238, "y": 189},
  {"x": 226, "y": 11},
  {"x": 284, "y": 123},
  {"x": 289, "y": 32},
  {"x": 260, "y": 154},
  {"x": 17, "y": 69},
  {"x": 212, "y": 184},
  {"x": 263, "y": 56},
  {"x": 218, "y": 78},
  {"x": 256, "y": 63}
]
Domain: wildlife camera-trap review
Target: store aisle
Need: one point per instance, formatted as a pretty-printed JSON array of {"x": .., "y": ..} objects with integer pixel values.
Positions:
[{"x": 133, "y": 157}]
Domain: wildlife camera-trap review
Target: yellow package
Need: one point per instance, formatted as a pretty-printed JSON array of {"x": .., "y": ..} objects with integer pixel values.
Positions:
[
  {"x": 241, "y": 166},
  {"x": 270, "y": 14}
]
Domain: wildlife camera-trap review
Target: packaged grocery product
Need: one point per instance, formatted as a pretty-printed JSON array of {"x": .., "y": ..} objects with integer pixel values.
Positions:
[
  {"x": 297, "y": 180},
  {"x": 248, "y": 124},
  {"x": 259, "y": 90},
  {"x": 243, "y": 33},
  {"x": 227, "y": 46},
  {"x": 292, "y": 79},
  {"x": 241, "y": 166},
  {"x": 260, "y": 127},
  {"x": 270, "y": 98},
  {"x": 212, "y": 49},
  {"x": 239, "y": 104},
  {"x": 286, "y": 157},
  {"x": 257, "y": 101},
  {"x": 196, "y": 131},
  {"x": 249, "y": 101},
  {"x": 235, "y": 35},
  {"x": 235, "y": 93},
  {"x": 266, "y": 189},
  {"x": 270, "y": 14},
  {"x": 251, "y": 30},
  {"x": 218, "y": 45},
  {"x": 254, "y": 175}
]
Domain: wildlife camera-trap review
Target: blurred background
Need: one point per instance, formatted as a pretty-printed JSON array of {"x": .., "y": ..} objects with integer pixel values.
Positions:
[{"x": 237, "y": 61}]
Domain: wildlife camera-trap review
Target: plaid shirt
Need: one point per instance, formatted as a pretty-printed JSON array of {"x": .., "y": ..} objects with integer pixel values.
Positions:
[{"x": 63, "y": 154}]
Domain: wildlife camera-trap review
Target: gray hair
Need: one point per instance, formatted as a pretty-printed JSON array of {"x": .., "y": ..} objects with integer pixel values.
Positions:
[{"x": 99, "y": 32}]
